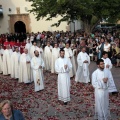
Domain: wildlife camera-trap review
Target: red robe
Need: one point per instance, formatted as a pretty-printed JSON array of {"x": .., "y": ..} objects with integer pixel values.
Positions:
[
  {"x": 12, "y": 45},
  {"x": 6, "y": 44},
  {"x": 22, "y": 46},
  {"x": 0, "y": 40},
  {"x": 17, "y": 44}
]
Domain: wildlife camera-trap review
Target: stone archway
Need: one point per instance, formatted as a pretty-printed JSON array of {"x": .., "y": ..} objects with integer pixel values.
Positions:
[
  {"x": 15, "y": 21},
  {"x": 20, "y": 27}
]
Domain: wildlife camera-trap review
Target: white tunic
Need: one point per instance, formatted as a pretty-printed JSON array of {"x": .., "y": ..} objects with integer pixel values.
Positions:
[
  {"x": 48, "y": 57},
  {"x": 7, "y": 61},
  {"x": 28, "y": 46},
  {"x": 1, "y": 60},
  {"x": 68, "y": 54},
  {"x": 55, "y": 55},
  {"x": 31, "y": 38},
  {"x": 73, "y": 60},
  {"x": 102, "y": 111},
  {"x": 112, "y": 87},
  {"x": 63, "y": 78},
  {"x": 32, "y": 49},
  {"x": 82, "y": 74},
  {"x": 41, "y": 54},
  {"x": 38, "y": 73},
  {"x": 25, "y": 72},
  {"x": 15, "y": 57}
]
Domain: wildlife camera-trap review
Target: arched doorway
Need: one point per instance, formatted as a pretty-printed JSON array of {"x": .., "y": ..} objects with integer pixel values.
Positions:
[{"x": 20, "y": 27}]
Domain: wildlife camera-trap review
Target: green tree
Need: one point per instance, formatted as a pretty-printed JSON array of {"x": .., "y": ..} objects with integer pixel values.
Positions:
[{"x": 91, "y": 12}]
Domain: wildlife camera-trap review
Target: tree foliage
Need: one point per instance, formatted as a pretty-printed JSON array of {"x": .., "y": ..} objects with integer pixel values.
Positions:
[{"x": 89, "y": 11}]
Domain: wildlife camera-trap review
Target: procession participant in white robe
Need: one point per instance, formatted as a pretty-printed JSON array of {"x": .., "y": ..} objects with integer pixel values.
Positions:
[
  {"x": 32, "y": 49},
  {"x": 69, "y": 55},
  {"x": 40, "y": 50},
  {"x": 62, "y": 67},
  {"x": 1, "y": 59},
  {"x": 25, "y": 72},
  {"x": 55, "y": 55},
  {"x": 15, "y": 57},
  {"x": 32, "y": 37},
  {"x": 83, "y": 60},
  {"x": 48, "y": 56},
  {"x": 108, "y": 66},
  {"x": 7, "y": 61},
  {"x": 100, "y": 81},
  {"x": 28, "y": 46},
  {"x": 37, "y": 65},
  {"x": 74, "y": 59}
]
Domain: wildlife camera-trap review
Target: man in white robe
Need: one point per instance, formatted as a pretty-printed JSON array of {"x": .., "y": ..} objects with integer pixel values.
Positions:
[
  {"x": 100, "y": 81},
  {"x": 74, "y": 59},
  {"x": 15, "y": 57},
  {"x": 37, "y": 65},
  {"x": 108, "y": 66},
  {"x": 69, "y": 55},
  {"x": 7, "y": 61},
  {"x": 55, "y": 55},
  {"x": 83, "y": 60},
  {"x": 25, "y": 72},
  {"x": 32, "y": 49},
  {"x": 40, "y": 50},
  {"x": 48, "y": 56},
  {"x": 28, "y": 46},
  {"x": 1, "y": 59},
  {"x": 32, "y": 37},
  {"x": 63, "y": 67}
]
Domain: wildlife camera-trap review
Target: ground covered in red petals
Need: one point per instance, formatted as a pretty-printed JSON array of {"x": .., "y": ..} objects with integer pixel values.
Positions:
[{"x": 44, "y": 105}]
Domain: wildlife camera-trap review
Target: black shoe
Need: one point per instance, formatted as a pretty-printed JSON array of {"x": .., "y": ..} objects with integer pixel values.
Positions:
[
  {"x": 65, "y": 103},
  {"x": 114, "y": 93}
]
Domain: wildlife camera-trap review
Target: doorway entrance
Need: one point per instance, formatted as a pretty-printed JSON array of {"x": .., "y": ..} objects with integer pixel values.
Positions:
[{"x": 20, "y": 27}]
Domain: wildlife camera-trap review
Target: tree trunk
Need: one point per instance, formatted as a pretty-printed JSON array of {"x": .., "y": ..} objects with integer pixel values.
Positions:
[{"x": 87, "y": 28}]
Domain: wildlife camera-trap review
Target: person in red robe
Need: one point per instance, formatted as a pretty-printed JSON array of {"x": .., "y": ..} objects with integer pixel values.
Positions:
[
  {"x": 6, "y": 43},
  {"x": 12, "y": 44},
  {"x": 0, "y": 41},
  {"x": 22, "y": 46},
  {"x": 4, "y": 37},
  {"x": 17, "y": 44}
]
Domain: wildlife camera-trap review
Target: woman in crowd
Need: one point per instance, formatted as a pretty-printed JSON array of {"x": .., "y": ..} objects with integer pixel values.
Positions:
[
  {"x": 94, "y": 50},
  {"x": 117, "y": 48},
  {"x": 114, "y": 53},
  {"x": 8, "y": 113},
  {"x": 107, "y": 48},
  {"x": 98, "y": 50}
]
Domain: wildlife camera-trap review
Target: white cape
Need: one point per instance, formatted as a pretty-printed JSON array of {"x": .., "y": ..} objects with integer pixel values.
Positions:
[
  {"x": 25, "y": 72},
  {"x": 63, "y": 78},
  {"x": 68, "y": 54},
  {"x": 38, "y": 73},
  {"x": 48, "y": 57},
  {"x": 102, "y": 111},
  {"x": 82, "y": 74},
  {"x": 7, "y": 61},
  {"x": 112, "y": 87},
  {"x": 15, "y": 57},
  {"x": 55, "y": 55}
]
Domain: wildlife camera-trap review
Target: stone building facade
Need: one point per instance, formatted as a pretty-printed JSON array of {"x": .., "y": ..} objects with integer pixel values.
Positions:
[{"x": 14, "y": 17}]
